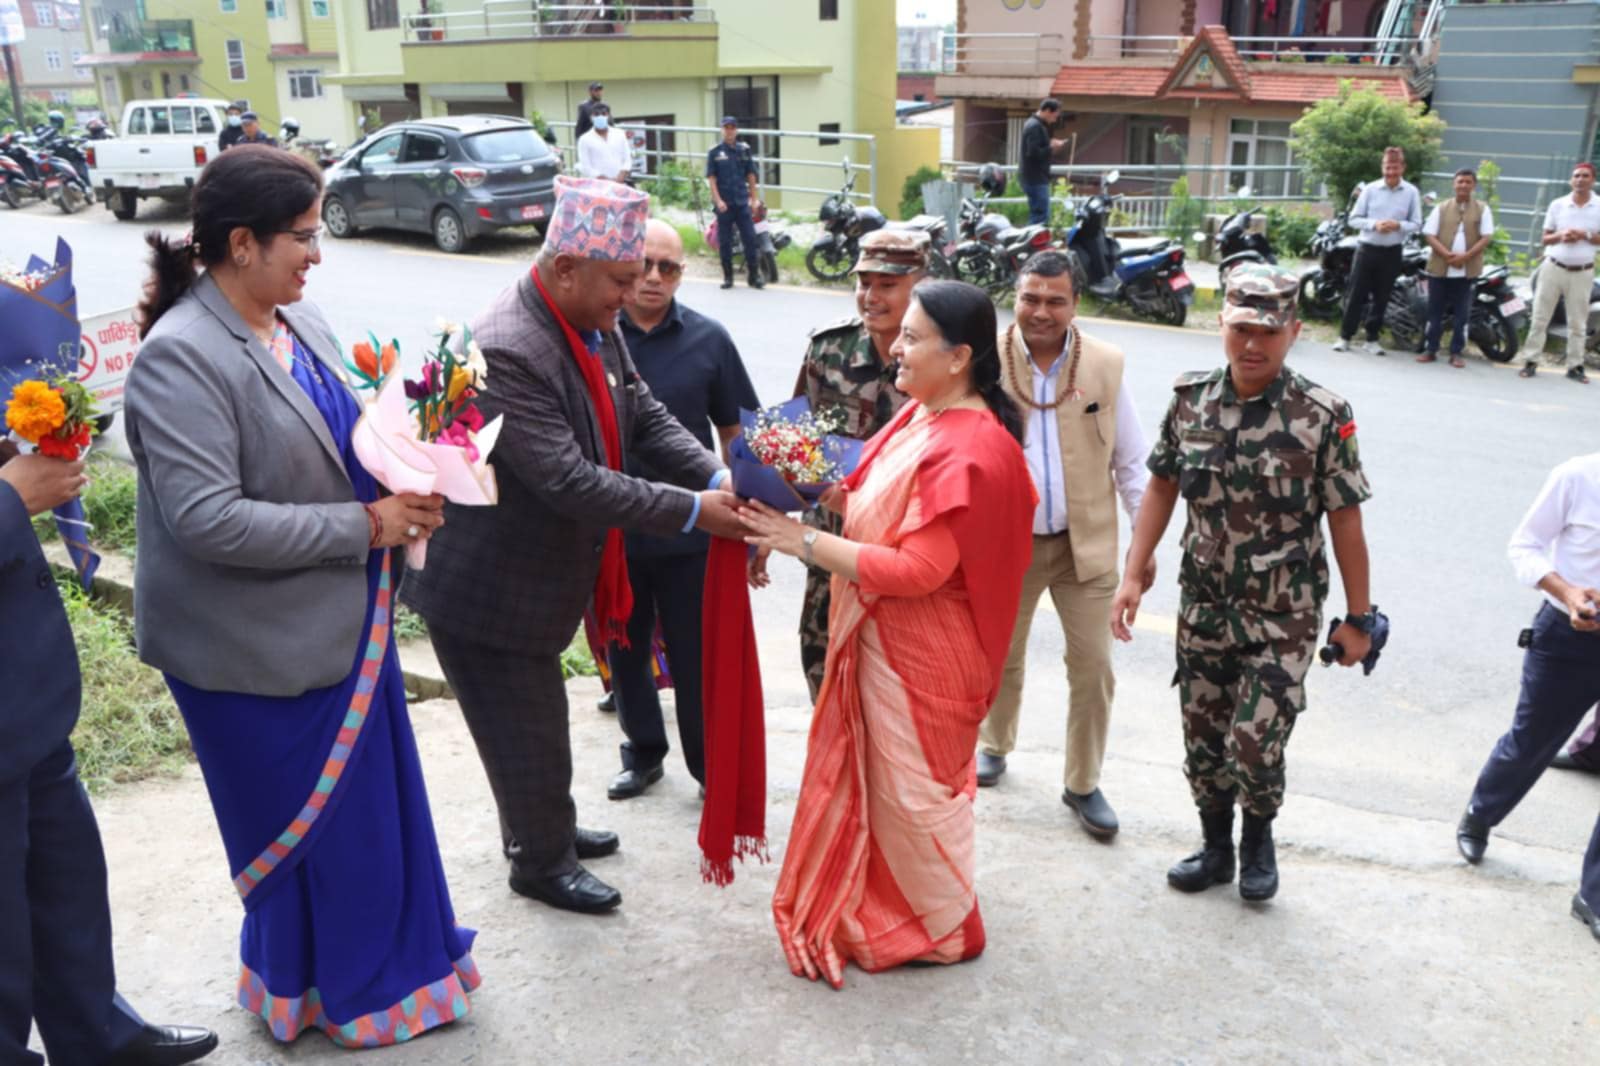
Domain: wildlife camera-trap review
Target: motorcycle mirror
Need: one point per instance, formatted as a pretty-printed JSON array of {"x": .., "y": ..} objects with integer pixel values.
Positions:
[
  {"x": 1197, "y": 237},
  {"x": 1112, "y": 176}
]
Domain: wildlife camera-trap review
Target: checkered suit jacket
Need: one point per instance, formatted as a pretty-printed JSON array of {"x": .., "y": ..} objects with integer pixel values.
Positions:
[{"x": 518, "y": 576}]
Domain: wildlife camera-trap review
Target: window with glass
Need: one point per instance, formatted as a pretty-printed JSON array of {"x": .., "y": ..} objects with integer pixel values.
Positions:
[
  {"x": 828, "y": 10},
  {"x": 423, "y": 148},
  {"x": 183, "y": 120},
  {"x": 236, "y": 60},
  {"x": 754, "y": 102},
  {"x": 160, "y": 120},
  {"x": 305, "y": 84},
  {"x": 319, "y": 9},
  {"x": 277, "y": 9},
  {"x": 228, "y": 7},
  {"x": 1262, "y": 143},
  {"x": 383, "y": 14},
  {"x": 650, "y": 146},
  {"x": 823, "y": 130},
  {"x": 81, "y": 73},
  {"x": 505, "y": 146},
  {"x": 384, "y": 152},
  {"x": 52, "y": 59},
  {"x": 45, "y": 14},
  {"x": 203, "y": 120}
]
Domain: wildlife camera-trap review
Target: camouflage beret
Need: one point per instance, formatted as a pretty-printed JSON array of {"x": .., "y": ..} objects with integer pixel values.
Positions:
[
  {"x": 892, "y": 251},
  {"x": 1260, "y": 293}
]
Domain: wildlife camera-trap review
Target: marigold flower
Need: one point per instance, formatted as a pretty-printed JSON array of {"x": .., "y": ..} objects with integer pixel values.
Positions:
[{"x": 35, "y": 410}]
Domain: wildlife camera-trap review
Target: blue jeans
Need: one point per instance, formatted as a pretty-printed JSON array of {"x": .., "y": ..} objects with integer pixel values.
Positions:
[
  {"x": 1456, "y": 294},
  {"x": 1038, "y": 203}
]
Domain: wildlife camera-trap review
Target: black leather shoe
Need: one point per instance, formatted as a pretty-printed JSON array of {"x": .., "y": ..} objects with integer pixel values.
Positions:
[
  {"x": 1094, "y": 812},
  {"x": 579, "y": 891},
  {"x": 1472, "y": 837},
  {"x": 1585, "y": 914},
  {"x": 757, "y": 283},
  {"x": 727, "y": 281},
  {"x": 607, "y": 703},
  {"x": 595, "y": 843},
  {"x": 631, "y": 783},
  {"x": 165, "y": 1045},
  {"x": 1564, "y": 761},
  {"x": 990, "y": 769},
  {"x": 1576, "y": 373},
  {"x": 1258, "y": 860},
  {"x": 1213, "y": 863}
]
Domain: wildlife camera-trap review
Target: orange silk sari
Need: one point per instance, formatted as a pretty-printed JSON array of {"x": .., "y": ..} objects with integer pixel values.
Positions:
[{"x": 880, "y": 859}]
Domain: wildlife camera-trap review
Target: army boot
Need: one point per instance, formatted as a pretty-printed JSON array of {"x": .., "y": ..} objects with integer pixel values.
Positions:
[
  {"x": 1258, "y": 860},
  {"x": 727, "y": 277},
  {"x": 1213, "y": 863}
]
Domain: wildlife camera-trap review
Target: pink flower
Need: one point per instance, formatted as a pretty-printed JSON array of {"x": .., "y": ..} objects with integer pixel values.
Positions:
[{"x": 459, "y": 434}]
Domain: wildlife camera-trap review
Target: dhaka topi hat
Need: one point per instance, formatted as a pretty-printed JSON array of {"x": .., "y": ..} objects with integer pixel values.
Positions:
[
  {"x": 892, "y": 251},
  {"x": 597, "y": 219},
  {"x": 1260, "y": 294}
]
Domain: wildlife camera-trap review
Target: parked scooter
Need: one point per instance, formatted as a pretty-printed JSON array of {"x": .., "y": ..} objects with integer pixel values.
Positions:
[
  {"x": 992, "y": 256},
  {"x": 1322, "y": 290},
  {"x": 1148, "y": 275},
  {"x": 20, "y": 177},
  {"x": 1238, "y": 243},
  {"x": 844, "y": 224},
  {"x": 1558, "y": 321},
  {"x": 772, "y": 242},
  {"x": 65, "y": 173}
]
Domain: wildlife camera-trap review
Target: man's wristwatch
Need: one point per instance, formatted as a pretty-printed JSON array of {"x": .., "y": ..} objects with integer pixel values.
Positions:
[
  {"x": 1364, "y": 622},
  {"x": 809, "y": 539}
]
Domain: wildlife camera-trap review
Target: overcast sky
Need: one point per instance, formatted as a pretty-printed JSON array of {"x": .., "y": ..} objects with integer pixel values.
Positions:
[{"x": 927, "y": 12}]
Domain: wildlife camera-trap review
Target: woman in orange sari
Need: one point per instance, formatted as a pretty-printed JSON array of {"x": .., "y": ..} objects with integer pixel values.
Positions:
[{"x": 926, "y": 582}]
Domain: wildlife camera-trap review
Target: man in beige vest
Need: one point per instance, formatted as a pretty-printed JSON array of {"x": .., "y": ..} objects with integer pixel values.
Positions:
[
  {"x": 1458, "y": 231},
  {"x": 1085, "y": 448}
]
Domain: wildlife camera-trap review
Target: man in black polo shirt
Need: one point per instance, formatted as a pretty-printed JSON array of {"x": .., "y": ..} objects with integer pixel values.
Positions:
[
  {"x": 586, "y": 111},
  {"x": 1037, "y": 149},
  {"x": 691, "y": 365}
]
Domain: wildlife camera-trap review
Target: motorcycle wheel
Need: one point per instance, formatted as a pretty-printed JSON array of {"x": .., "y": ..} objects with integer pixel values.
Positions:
[
  {"x": 1404, "y": 327},
  {"x": 1318, "y": 299},
  {"x": 829, "y": 263},
  {"x": 938, "y": 265},
  {"x": 1169, "y": 308},
  {"x": 1494, "y": 336},
  {"x": 9, "y": 196},
  {"x": 70, "y": 200}
]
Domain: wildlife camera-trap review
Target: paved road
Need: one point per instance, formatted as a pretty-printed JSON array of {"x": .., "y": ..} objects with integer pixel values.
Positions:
[{"x": 1382, "y": 946}]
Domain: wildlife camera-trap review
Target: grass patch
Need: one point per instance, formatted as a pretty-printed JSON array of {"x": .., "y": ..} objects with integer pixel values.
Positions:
[
  {"x": 110, "y": 504},
  {"x": 129, "y": 729},
  {"x": 408, "y": 625},
  {"x": 576, "y": 660},
  {"x": 694, "y": 242}
]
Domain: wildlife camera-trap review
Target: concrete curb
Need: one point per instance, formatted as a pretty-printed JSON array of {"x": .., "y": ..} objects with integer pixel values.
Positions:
[{"x": 113, "y": 584}]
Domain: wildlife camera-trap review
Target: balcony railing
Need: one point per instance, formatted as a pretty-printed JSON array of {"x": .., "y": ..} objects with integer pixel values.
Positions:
[
  {"x": 1004, "y": 55},
  {"x": 1378, "y": 50},
  {"x": 498, "y": 19},
  {"x": 125, "y": 35}
]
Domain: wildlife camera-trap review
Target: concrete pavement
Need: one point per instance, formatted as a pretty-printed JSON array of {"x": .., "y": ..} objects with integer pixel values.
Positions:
[{"x": 1382, "y": 946}]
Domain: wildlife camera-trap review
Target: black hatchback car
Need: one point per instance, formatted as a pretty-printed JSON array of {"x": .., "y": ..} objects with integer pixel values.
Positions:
[{"x": 455, "y": 178}]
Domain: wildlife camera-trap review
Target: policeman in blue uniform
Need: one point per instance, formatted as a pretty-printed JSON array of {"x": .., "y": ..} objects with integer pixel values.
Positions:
[
  {"x": 56, "y": 971},
  {"x": 731, "y": 173}
]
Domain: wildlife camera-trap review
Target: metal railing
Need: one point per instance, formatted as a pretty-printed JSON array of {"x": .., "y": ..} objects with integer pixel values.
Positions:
[
  {"x": 1375, "y": 50},
  {"x": 691, "y": 143},
  {"x": 535, "y": 18},
  {"x": 1017, "y": 55}
]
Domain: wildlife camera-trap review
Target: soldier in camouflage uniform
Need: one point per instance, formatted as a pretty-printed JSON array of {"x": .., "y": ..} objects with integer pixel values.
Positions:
[
  {"x": 847, "y": 368},
  {"x": 1259, "y": 454}
]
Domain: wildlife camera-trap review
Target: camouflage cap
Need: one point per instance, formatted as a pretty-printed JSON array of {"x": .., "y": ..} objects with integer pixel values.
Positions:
[
  {"x": 892, "y": 251},
  {"x": 1259, "y": 293}
]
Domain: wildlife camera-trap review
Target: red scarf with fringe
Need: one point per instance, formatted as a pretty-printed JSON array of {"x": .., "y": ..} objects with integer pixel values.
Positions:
[
  {"x": 613, "y": 596},
  {"x": 733, "y": 821}
]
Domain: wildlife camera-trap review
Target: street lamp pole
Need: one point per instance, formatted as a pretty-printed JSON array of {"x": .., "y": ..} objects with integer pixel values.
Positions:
[{"x": 16, "y": 90}]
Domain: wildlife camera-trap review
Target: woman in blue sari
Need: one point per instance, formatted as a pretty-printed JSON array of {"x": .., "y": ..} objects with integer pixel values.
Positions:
[{"x": 264, "y": 591}]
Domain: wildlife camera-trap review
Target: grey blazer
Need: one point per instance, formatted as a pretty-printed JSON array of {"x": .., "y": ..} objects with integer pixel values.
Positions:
[
  {"x": 519, "y": 575},
  {"x": 250, "y": 574}
]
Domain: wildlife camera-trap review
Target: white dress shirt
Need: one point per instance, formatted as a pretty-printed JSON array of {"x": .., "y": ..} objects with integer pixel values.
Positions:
[
  {"x": 604, "y": 157},
  {"x": 1377, "y": 203},
  {"x": 1485, "y": 228},
  {"x": 1561, "y": 532},
  {"x": 1043, "y": 449},
  {"x": 1564, "y": 214}
]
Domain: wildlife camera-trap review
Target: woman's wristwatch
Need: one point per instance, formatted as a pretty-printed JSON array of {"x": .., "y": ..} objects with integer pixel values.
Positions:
[{"x": 809, "y": 539}]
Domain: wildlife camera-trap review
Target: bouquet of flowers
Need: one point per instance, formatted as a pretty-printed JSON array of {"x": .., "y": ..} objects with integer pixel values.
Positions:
[
  {"x": 426, "y": 435},
  {"x": 788, "y": 456},
  {"x": 56, "y": 416}
]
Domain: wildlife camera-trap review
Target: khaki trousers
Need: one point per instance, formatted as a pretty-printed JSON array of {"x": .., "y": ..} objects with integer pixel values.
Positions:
[
  {"x": 1571, "y": 287},
  {"x": 1084, "y": 608}
]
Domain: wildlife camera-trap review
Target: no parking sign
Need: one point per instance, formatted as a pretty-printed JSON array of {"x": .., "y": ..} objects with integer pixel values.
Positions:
[{"x": 106, "y": 353}]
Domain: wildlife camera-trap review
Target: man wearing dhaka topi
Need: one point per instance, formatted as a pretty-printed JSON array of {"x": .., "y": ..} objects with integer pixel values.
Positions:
[{"x": 505, "y": 587}]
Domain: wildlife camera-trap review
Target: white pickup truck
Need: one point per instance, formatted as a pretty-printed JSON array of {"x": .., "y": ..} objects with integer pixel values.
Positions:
[{"x": 160, "y": 150}]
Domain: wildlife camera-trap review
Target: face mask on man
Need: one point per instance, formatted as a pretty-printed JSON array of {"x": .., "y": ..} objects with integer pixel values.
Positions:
[
  {"x": 233, "y": 120},
  {"x": 601, "y": 122}
]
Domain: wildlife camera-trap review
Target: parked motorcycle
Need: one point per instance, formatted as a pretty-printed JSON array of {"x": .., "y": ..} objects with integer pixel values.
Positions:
[
  {"x": 1238, "y": 243},
  {"x": 19, "y": 172},
  {"x": 1322, "y": 290},
  {"x": 64, "y": 167},
  {"x": 1148, "y": 275},
  {"x": 844, "y": 224},
  {"x": 939, "y": 247},
  {"x": 993, "y": 250},
  {"x": 1493, "y": 326},
  {"x": 772, "y": 242},
  {"x": 1558, "y": 321}
]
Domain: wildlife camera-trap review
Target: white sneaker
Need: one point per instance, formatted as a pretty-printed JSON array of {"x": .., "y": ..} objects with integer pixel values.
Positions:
[
  {"x": 1341, "y": 345},
  {"x": 1375, "y": 347}
]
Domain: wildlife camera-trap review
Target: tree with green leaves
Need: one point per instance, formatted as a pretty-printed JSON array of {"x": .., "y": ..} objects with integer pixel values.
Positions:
[{"x": 1339, "y": 140}]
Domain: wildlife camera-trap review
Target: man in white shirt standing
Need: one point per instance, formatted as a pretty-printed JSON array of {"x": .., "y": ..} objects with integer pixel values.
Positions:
[
  {"x": 1085, "y": 449},
  {"x": 1386, "y": 213},
  {"x": 604, "y": 152},
  {"x": 1557, "y": 550},
  {"x": 1457, "y": 231},
  {"x": 1571, "y": 238}
]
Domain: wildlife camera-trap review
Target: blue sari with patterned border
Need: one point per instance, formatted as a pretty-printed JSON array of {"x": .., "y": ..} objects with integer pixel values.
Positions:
[{"x": 320, "y": 799}]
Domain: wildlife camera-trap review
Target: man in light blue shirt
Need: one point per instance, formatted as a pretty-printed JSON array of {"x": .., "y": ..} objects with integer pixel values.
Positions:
[{"x": 1387, "y": 212}]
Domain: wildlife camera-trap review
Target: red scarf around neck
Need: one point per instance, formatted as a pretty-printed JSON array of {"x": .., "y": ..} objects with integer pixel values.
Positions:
[{"x": 613, "y": 596}]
